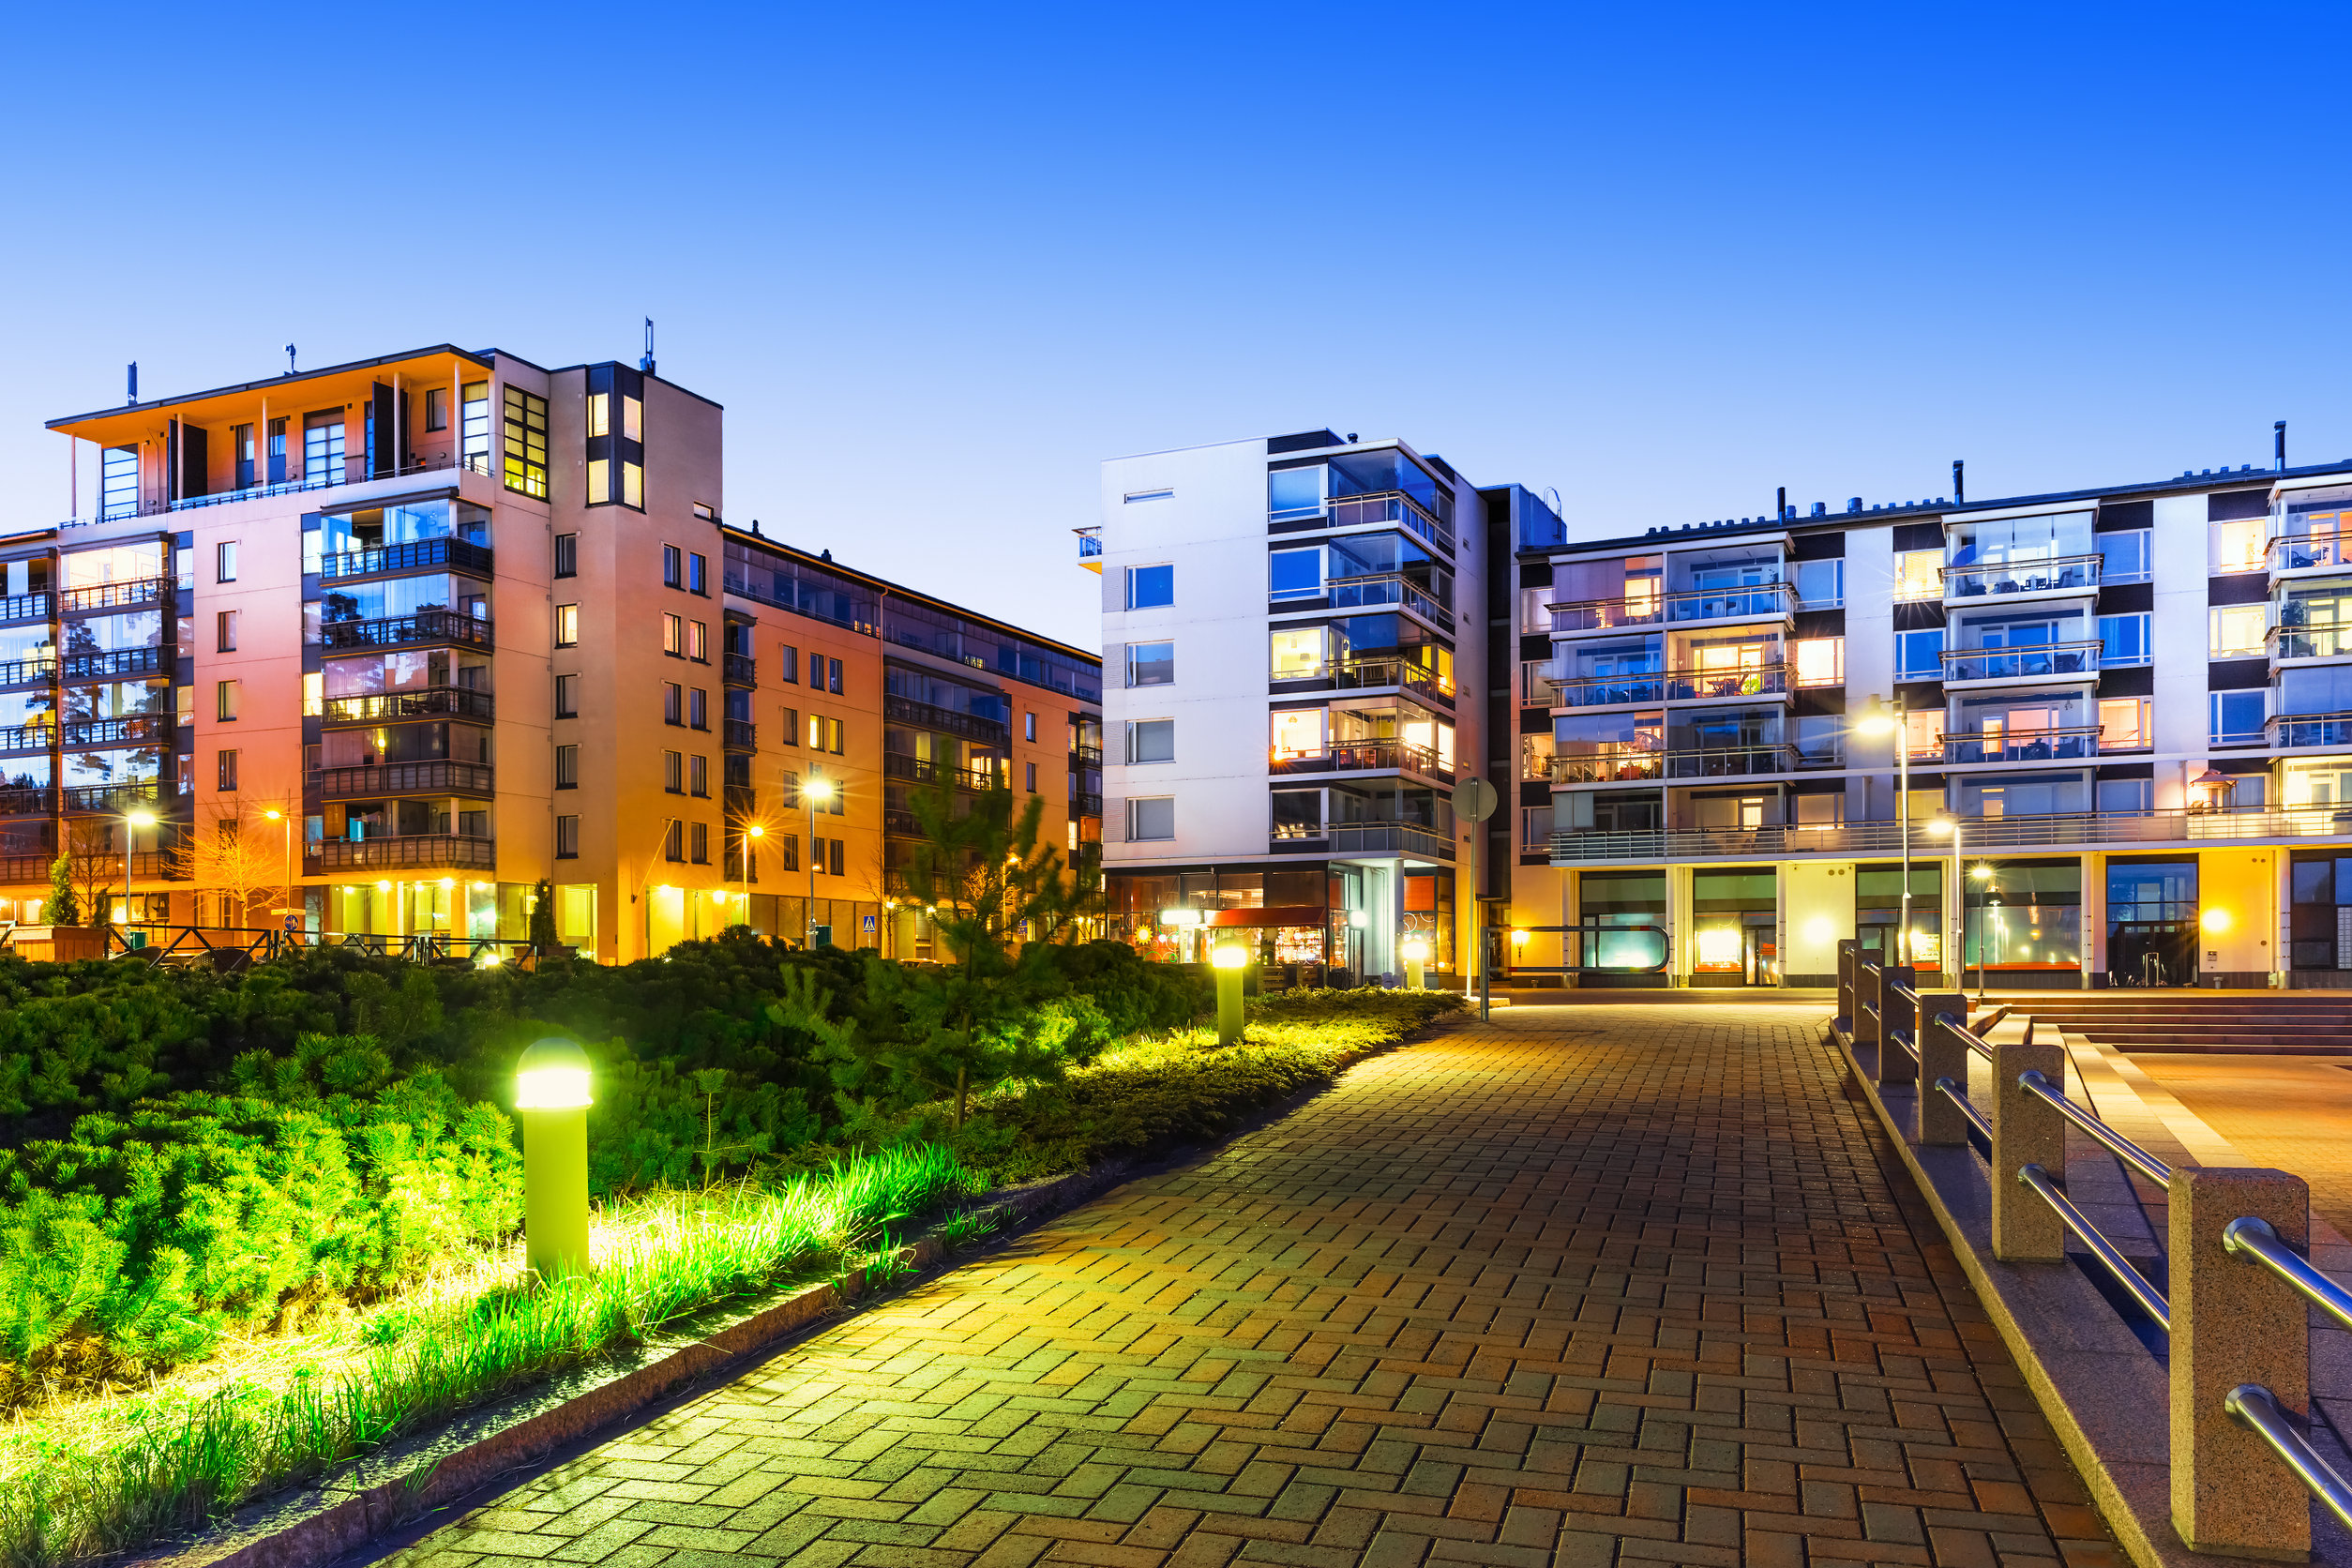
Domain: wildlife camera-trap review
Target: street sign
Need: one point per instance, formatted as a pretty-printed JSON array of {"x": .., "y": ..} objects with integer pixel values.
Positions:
[
  {"x": 1474, "y": 800},
  {"x": 869, "y": 925}
]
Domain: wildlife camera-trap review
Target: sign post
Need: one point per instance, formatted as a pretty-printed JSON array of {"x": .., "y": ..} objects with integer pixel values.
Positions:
[{"x": 1475, "y": 801}]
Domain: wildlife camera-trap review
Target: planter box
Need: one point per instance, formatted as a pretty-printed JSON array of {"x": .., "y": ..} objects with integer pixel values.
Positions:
[{"x": 59, "y": 944}]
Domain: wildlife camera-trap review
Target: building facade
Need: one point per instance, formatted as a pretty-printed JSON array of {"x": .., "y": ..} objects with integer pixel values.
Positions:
[
  {"x": 1296, "y": 650},
  {"x": 2130, "y": 708},
  {"x": 416, "y": 633}
]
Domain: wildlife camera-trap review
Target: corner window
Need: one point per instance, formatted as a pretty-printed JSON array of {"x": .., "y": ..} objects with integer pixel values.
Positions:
[
  {"x": 599, "y": 414},
  {"x": 1298, "y": 574},
  {"x": 1150, "y": 664},
  {"x": 474, "y": 437},
  {"x": 526, "y": 443},
  {"x": 1295, "y": 492},
  {"x": 599, "y": 481},
  {"x": 1152, "y": 740},
  {"x": 1152, "y": 819},
  {"x": 567, "y": 556},
  {"x": 1150, "y": 587},
  {"x": 2236, "y": 630},
  {"x": 567, "y": 626}
]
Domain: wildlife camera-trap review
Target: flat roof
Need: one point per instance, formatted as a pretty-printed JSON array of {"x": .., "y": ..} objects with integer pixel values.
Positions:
[{"x": 2236, "y": 478}]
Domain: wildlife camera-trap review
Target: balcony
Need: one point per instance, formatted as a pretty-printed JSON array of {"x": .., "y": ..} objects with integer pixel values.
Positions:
[
  {"x": 408, "y": 556},
  {"x": 900, "y": 825},
  {"x": 34, "y": 802},
  {"x": 1083, "y": 756},
  {"x": 1762, "y": 601},
  {"x": 147, "y": 866},
  {"x": 2303, "y": 552},
  {"x": 1394, "y": 508},
  {"x": 115, "y": 798},
  {"x": 738, "y": 734},
  {"x": 1089, "y": 547},
  {"x": 352, "y": 470},
  {"x": 24, "y": 607},
  {"x": 1374, "y": 756},
  {"x": 1729, "y": 761},
  {"x": 2056, "y": 831},
  {"x": 1754, "y": 680},
  {"x": 2073, "y": 743},
  {"x": 1608, "y": 763},
  {"x": 1084, "y": 805},
  {"x": 112, "y": 666},
  {"x": 1375, "y": 590},
  {"x": 440, "y": 701},
  {"x": 1602, "y": 691},
  {"x": 2048, "y": 661},
  {"x": 963, "y": 725},
  {"x": 2053, "y": 575},
  {"x": 2297, "y": 730},
  {"x": 403, "y": 631},
  {"x": 1369, "y": 675},
  {"x": 28, "y": 671},
  {"x": 922, "y": 770},
  {"x": 738, "y": 670},
  {"x": 2303, "y": 641},
  {"x": 134, "y": 730},
  {"x": 417, "y": 851},
  {"x": 1388, "y": 838},
  {"x": 115, "y": 595},
  {"x": 404, "y": 778}
]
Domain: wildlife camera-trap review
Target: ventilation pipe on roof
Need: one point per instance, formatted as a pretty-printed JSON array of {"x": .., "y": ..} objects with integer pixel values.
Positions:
[
  {"x": 2278, "y": 442},
  {"x": 1959, "y": 483},
  {"x": 1780, "y": 506},
  {"x": 133, "y": 394}
]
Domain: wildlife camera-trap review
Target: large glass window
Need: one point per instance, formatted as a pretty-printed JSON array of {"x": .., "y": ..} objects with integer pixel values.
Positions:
[
  {"x": 136, "y": 562},
  {"x": 1150, "y": 664},
  {"x": 1821, "y": 661},
  {"x": 1295, "y": 492},
  {"x": 2238, "y": 545},
  {"x": 1298, "y": 733},
  {"x": 1919, "y": 655},
  {"x": 2236, "y": 630},
  {"x": 2235, "y": 718},
  {"x": 2020, "y": 729},
  {"x": 475, "y": 433},
  {"x": 1298, "y": 653},
  {"x": 323, "y": 436},
  {"x": 1295, "y": 574},
  {"x": 1151, "y": 817},
  {"x": 526, "y": 443},
  {"x": 118, "y": 482},
  {"x": 1152, "y": 740},
  {"x": 1595, "y": 596},
  {"x": 2124, "y": 556},
  {"x": 2125, "y": 723},
  {"x": 1820, "y": 584},
  {"x": 2316, "y": 621},
  {"x": 1919, "y": 575},
  {"x": 2123, "y": 638},
  {"x": 2315, "y": 529},
  {"x": 1150, "y": 587}
]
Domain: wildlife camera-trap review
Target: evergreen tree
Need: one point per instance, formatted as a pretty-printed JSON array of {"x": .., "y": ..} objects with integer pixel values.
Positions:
[
  {"x": 63, "y": 907},
  {"x": 543, "y": 938}
]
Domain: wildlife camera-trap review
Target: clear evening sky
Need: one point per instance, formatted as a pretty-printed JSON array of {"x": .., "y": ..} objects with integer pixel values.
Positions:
[{"x": 939, "y": 262}]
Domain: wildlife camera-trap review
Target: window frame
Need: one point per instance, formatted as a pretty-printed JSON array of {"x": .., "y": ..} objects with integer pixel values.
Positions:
[
  {"x": 1136, "y": 575},
  {"x": 567, "y": 695},
  {"x": 523, "y": 420},
  {"x": 1133, "y": 684},
  {"x": 568, "y": 766},
  {"x": 568, "y": 625},
  {"x": 567, "y": 555},
  {"x": 1134, "y": 825}
]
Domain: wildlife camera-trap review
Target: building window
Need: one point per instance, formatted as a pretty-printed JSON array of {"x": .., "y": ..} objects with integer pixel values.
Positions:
[
  {"x": 824, "y": 734},
  {"x": 277, "y": 437},
  {"x": 1919, "y": 575},
  {"x": 1031, "y": 769},
  {"x": 1152, "y": 740},
  {"x": 1299, "y": 654},
  {"x": 698, "y": 709},
  {"x": 567, "y": 767},
  {"x": 474, "y": 435},
  {"x": 1919, "y": 655},
  {"x": 833, "y": 676},
  {"x": 697, "y": 580},
  {"x": 790, "y": 844},
  {"x": 1029, "y": 727},
  {"x": 633, "y": 485},
  {"x": 2238, "y": 545},
  {"x": 1820, "y": 585},
  {"x": 792, "y": 726},
  {"x": 526, "y": 443},
  {"x": 700, "y": 835},
  {"x": 1821, "y": 661},
  {"x": 227, "y": 762},
  {"x": 788, "y": 664},
  {"x": 567, "y": 837},
  {"x": 673, "y": 773},
  {"x": 632, "y": 418},
  {"x": 697, "y": 776},
  {"x": 599, "y": 481},
  {"x": 225, "y": 695},
  {"x": 567, "y": 556},
  {"x": 697, "y": 642},
  {"x": 436, "y": 409},
  {"x": 567, "y": 697},
  {"x": 2236, "y": 630},
  {"x": 673, "y": 702},
  {"x": 323, "y": 448},
  {"x": 1150, "y": 664},
  {"x": 1152, "y": 819},
  {"x": 837, "y": 854},
  {"x": 1150, "y": 587},
  {"x": 670, "y": 557},
  {"x": 241, "y": 449},
  {"x": 674, "y": 841},
  {"x": 599, "y": 414},
  {"x": 2124, "y": 556},
  {"x": 568, "y": 625},
  {"x": 2235, "y": 718},
  {"x": 2123, "y": 723},
  {"x": 2122, "y": 638},
  {"x": 673, "y": 636},
  {"x": 224, "y": 561},
  {"x": 225, "y": 630}
]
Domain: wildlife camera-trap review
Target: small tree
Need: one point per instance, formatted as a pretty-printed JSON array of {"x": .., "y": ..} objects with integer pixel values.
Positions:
[
  {"x": 95, "y": 861},
  {"x": 543, "y": 937},
  {"x": 227, "y": 861},
  {"x": 62, "y": 908}
]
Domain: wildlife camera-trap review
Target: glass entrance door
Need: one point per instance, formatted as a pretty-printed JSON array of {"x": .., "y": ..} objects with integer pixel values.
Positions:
[{"x": 2152, "y": 923}]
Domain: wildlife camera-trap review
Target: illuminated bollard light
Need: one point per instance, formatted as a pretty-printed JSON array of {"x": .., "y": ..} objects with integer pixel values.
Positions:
[
  {"x": 1415, "y": 953},
  {"x": 551, "y": 1092},
  {"x": 1230, "y": 960}
]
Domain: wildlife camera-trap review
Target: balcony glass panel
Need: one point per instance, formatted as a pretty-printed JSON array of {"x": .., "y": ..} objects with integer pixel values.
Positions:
[
  {"x": 2022, "y": 795},
  {"x": 378, "y": 527},
  {"x": 375, "y": 673},
  {"x": 2020, "y": 729},
  {"x": 2027, "y": 541},
  {"x": 1390, "y": 470},
  {"x": 2312, "y": 529},
  {"x": 1593, "y": 748},
  {"x": 113, "y": 768},
  {"x": 137, "y": 561},
  {"x": 2021, "y": 645},
  {"x": 1623, "y": 670},
  {"x": 404, "y": 596},
  {"x": 1727, "y": 665},
  {"x": 2315, "y": 621},
  {"x": 1598, "y": 595}
]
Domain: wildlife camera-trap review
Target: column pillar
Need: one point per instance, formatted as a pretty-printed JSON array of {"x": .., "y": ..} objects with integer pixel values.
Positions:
[{"x": 2094, "y": 920}]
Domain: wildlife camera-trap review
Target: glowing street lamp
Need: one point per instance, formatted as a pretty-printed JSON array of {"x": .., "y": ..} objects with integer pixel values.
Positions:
[
  {"x": 816, "y": 790},
  {"x": 1228, "y": 959},
  {"x": 1415, "y": 952},
  {"x": 133, "y": 820},
  {"x": 551, "y": 1092},
  {"x": 750, "y": 832}
]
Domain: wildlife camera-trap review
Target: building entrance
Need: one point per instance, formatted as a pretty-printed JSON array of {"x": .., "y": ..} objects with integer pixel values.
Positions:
[{"x": 2152, "y": 930}]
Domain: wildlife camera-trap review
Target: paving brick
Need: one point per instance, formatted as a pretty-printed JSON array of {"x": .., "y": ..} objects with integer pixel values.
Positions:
[{"x": 1589, "y": 1285}]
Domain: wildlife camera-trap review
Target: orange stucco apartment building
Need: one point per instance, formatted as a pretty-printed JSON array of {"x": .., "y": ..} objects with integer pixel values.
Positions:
[{"x": 430, "y": 628}]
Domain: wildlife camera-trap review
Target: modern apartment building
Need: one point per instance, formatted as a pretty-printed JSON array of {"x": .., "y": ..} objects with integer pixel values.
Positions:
[
  {"x": 1296, "y": 637},
  {"x": 2131, "y": 705},
  {"x": 426, "y": 629}
]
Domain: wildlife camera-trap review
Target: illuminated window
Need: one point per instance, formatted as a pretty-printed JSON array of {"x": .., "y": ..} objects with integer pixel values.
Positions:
[
  {"x": 1298, "y": 733},
  {"x": 226, "y": 695},
  {"x": 673, "y": 635},
  {"x": 1926, "y": 732},
  {"x": 2238, "y": 545},
  {"x": 1821, "y": 661},
  {"x": 632, "y": 418},
  {"x": 599, "y": 481},
  {"x": 697, "y": 642},
  {"x": 633, "y": 485},
  {"x": 526, "y": 443},
  {"x": 1299, "y": 654},
  {"x": 2123, "y": 723},
  {"x": 1919, "y": 575},
  {"x": 599, "y": 414},
  {"x": 2236, "y": 630},
  {"x": 567, "y": 626}
]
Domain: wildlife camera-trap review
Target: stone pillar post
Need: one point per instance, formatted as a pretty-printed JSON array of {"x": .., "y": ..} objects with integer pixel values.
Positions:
[
  {"x": 1943, "y": 1054},
  {"x": 2025, "y": 1131}
]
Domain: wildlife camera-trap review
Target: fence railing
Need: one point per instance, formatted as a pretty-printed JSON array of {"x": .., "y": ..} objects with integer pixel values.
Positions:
[
  {"x": 394, "y": 631},
  {"x": 405, "y": 556},
  {"x": 2056, "y": 829},
  {"x": 440, "y": 701},
  {"x": 2233, "y": 1345}
]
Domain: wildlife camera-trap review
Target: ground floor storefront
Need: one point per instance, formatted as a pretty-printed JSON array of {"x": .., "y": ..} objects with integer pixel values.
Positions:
[
  {"x": 2241, "y": 916},
  {"x": 1328, "y": 921}
]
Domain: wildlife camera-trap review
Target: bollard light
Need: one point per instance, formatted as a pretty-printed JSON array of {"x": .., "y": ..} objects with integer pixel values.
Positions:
[
  {"x": 551, "y": 1092},
  {"x": 1229, "y": 958},
  {"x": 1415, "y": 952}
]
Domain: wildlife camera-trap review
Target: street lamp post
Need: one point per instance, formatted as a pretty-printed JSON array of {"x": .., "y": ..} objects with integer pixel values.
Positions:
[
  {"x": 751, "y": 831},
  {"x": 287, "y": 819},
  {"x": 1881, "y": 719},
  {"x": 816, "y": 790},
  {"x": 133, "y": 820}
]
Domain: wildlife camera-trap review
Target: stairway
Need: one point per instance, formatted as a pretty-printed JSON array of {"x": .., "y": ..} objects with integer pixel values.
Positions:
[{"x": 2281, "y": 1023}]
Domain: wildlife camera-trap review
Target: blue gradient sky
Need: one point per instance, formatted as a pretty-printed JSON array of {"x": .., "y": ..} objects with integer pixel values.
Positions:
[{"x": 938, "y": 263}]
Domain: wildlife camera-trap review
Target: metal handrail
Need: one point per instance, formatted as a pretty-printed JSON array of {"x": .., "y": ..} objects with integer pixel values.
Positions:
[
  {"x": 1959, "y": 1097},
  {"x": 2253, "y": 1240},
  {"x": 1991, "y": 1022},
  {"x": 2121, "y": 1147},
  {"x": 2252, "y": 1406},
  {"x": 2038, "y": 1181},
  {"x": 1902, "y": 1038},
  {"x": 1976, "y": 1041}
]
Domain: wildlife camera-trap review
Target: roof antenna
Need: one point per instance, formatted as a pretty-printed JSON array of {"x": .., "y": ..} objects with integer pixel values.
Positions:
[
  {"x": 1959, "y": 483},
  {"x": 2278, "y": 434},
  {"x": 134, "y": 385},
  {"x": 289, "y": 369},
  {"x": 646, "y": 364}
]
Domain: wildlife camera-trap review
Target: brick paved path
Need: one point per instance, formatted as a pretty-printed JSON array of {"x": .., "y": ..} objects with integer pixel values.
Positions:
[{"x": 1589, "y": 1285}]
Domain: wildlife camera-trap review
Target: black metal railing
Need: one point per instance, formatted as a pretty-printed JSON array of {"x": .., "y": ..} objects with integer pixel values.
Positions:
[
  {"x": 739, "y": 670},
  {"x": 112, "y": 797},
  {"x": 922, "y": 770},
  {"x": 1083, "y": 756},
  {"x": 738, "y": 734},
  {"x": 400, "y": 779},
  {"x": 421, "y": 702},
  {"x": 115, "y": 595},
  {"x": 1083, "y": 804},
  {"x": 24, "y": 607},
  {"x": 963, "y": 725},
  {"x": 27, "y": 671},
  {"x": 1364, "y": 756},
  {"x": 423, "y": 849},
  {"x": 398, "y": 631},
  {"x": 27, "y": 802},
  {"x": 407, "y": 556},
  {"x": 111, "y": 665}
]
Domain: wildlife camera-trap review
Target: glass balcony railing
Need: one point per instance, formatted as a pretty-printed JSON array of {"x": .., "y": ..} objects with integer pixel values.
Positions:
[
  {"x": 1631, "y": 609},
  {"x": 399, "y": 631},
  {"x": 1355, "y": 511},
  {"x": 2038, "y": 745},
  {"x": 2306, "y": 730},
  {"x": 1729, "y": 761},
  {"x": 2330, "y": 640},
  {"x": 2020, "y": 831},
  {"x": 1386, "y": 588},
  {"x": 2041, "y": 575},
  {"x": 1757, "y": 680},
  {"x": 2021, "y": 664},
  {"x": 1601, "y": 691},
  {"x": 425, "y": 849},
  {"x": 1743, "y": 602},
  {"x": 2299, "y": 552},
  {"x": 1366, "y": 674},
  {"x": 1607, "y": 763},
  {"x": 432, "y": 701},
  {"x": 408, "y": 555},
  {"x": 1374, "y": 756}
]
